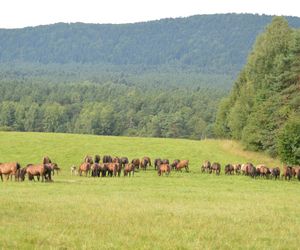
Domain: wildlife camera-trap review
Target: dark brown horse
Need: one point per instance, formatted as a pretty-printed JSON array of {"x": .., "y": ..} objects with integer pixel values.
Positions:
[
  {"x": 182, "y": 164},
  {"x": 144, "y": 162},
  {"x": 97, "y": 159},
  {"x": 164, "y": 168},
  {"x": 275, "y": 172},
  {"x": 54, "y": 167},
  {"x": 107, "y": 159},
  {"x": 118, "y": 163},
  {"x": 287, "y": 172},
  {"x": 215, "y": 168},
  {"x": 96, "y": 170},
  {"x": 174, "y": 164},
  {"x": 229, "y": 169},
  {"x": 46, "y": 160},
  {"x": 124, "y": 161},
  {"x": 128, "y": 169},
  {"x": 10, "y": 169},
  {"x": 157, "y": 163}
]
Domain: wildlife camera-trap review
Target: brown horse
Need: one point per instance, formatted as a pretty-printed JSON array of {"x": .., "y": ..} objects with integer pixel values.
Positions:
[
  {"x": 128, "y": 169},
  {"x": 124, "y": 161},
  {"x": 275, "y": 172},
  {"x": 88, "y": 159},
  {"x": 54, "y": 167},
  {"x": 107, "y": 159},
  {"x": 229, "y": 169},
  {"x": 38, "y": 170},
  {"x": 295, "y": 170},
  {"x": 206, "y": 167},
  {"x": 118, "y": 163},
  {"x": 174, "y": 164},
  {"x": 112, "y": 169},
  {"x": 84, "y": 167},
  {"x": 136, "y": 163},
  {"x": 157, "y": 163},
  {"x": 46, "y": 160},
  {"x": 164, "y": 168},
  {"x": 144, "y": 162},
  {"x": 215, "y": 168},
  {"x": 183, "y": 164},
  {"x": 237, "y": 168},
  {"x": 287, "y": 172},
  {"x": 10, "y": 169}
]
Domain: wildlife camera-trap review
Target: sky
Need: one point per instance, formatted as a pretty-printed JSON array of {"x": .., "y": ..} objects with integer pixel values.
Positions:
[{"x": 23, "y": 13}]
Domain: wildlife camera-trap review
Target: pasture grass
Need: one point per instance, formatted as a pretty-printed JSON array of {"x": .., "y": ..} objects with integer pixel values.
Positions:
[{"x": 182, "y": 211}]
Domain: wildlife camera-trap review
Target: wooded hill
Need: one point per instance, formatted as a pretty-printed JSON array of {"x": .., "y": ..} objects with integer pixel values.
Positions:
[
  {"x": 209, "y": 43},
  {"x": 263, "y": 108}
]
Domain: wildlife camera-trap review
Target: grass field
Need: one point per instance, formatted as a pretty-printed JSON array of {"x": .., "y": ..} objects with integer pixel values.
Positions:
[{"x": 182, "y": 211}]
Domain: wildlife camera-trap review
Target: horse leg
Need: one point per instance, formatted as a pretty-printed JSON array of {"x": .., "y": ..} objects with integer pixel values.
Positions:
[{"x": 1, "y": 177}]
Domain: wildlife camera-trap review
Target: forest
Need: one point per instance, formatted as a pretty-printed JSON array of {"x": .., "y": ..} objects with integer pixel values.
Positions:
[{"x": 263, "y": 108}]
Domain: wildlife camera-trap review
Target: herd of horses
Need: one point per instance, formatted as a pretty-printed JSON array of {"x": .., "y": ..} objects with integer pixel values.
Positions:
[
  {"x": 43, "y": 170},
  {"x": 261, "y": 170},
  {"x": 113, "y": 166}
]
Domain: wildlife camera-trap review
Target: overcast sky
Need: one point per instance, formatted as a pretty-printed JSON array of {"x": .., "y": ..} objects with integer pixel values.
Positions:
[{"x": 22, "y": 13}]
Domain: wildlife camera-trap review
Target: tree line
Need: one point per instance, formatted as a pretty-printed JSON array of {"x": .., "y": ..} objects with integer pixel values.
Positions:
[
  {"x": 109, "y": 108},
  {"x": 263, "y": 108}
]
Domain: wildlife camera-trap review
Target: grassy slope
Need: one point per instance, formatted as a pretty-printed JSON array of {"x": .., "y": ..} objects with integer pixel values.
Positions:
[{"x": 183, "y": 211}]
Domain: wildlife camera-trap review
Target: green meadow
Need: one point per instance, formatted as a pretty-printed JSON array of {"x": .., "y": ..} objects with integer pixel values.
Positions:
[{"x": 181, "y": 211}]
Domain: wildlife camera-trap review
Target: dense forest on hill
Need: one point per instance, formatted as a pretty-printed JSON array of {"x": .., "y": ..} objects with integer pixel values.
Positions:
[
  {"x": 215, "y": 44},
  {"x": 263, "y": 108}
]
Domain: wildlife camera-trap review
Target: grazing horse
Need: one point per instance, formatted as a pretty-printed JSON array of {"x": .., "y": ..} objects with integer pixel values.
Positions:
[
  {"x": 107, "y": 159},
  {"x": 144, "y": 162},
  {"x": 38, "y": 170},
  {"x": 96, "y": 169},
  {"x": 118, "y": 163},
  {"x": 275, "y": 172},
  {"x": 46, "y": 160},
  {"x": 74, "y": 170},
  {"x": 229, "y": 169},
  {"x": 88, "y": 159},
  {"x": 215, "y": 168},
  {"x": 112, "y": 169},
  {"x": 53, "y": 167},
  {"x": 84, "y": 167},
  {"x": 295, "y": 170},
  {"x": 163, "y": 168},
  {"x": 287, "y": 172},
  {"x": 206, "y": 167},
  {"x": 182, "y": 164},
  {"x": 136, "y": 163},
  {"x": 250, "y": 170},
  {"x": 157, "y": 163},
  {"x": 97, "y": 158},
  {"x": 237, "y": 168},
  {"x": 263, "y": 170},
  {"x": 10, "y": 169},
  {"x": 124, "y": 161},
  {"x": 174, "y": 164},
  {"x": 165, "y": 161},
  {"x": 128, "y": 169}
]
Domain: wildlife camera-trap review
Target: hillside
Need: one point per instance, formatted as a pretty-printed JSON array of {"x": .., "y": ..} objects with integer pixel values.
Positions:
[
  {"x": 215, "y": 44},
  {"x": 263, "y": 108}
]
